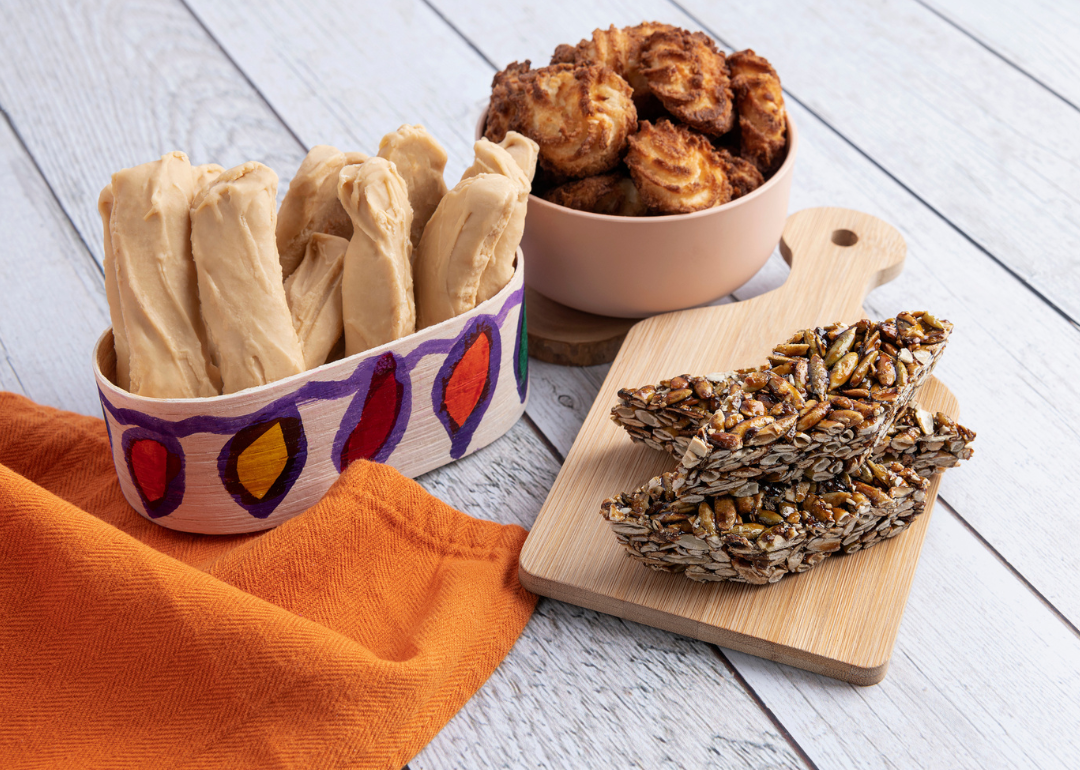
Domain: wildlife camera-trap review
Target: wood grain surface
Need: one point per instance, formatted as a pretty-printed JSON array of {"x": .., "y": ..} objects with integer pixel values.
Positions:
[
  {"x": 988, "y": 646},
  {"x": 44, "y": 265},
  {"x": 94, "y": 88},
  {"x": 1038, "y": 37},
  {"x": 995, "y": 155}
]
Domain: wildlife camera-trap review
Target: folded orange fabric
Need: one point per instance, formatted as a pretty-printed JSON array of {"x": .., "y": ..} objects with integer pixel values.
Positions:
[{"x": 347, "y": 637}]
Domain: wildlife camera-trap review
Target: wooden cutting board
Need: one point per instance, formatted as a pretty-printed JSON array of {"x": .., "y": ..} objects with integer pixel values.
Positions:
[{"x": 839, "y": 619}]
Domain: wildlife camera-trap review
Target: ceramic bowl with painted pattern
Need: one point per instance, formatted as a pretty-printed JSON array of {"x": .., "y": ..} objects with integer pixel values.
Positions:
[{"x": 250, "y": 460}]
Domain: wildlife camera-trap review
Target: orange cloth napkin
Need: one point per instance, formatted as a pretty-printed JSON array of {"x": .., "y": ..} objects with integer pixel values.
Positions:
[{"x": 346, "y": 637}]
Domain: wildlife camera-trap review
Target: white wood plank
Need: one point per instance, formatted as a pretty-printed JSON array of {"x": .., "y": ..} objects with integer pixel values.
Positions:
[
  {"x": 492, "y": 483},
  {"x": 347, "y": 73},
  {"x": 54, "y": 304},
  {"x": 586, "y": 690},
  {"x": 1039, "y": 36},
  {"x": 96, "y": 87},
  {"x": 981, "y": 676},
  {"x": 944, "y": 272},
  {"x": 581, "y": 688},
  {"x": 560, "y": 397},
  {"x": 965, "y": 131}
]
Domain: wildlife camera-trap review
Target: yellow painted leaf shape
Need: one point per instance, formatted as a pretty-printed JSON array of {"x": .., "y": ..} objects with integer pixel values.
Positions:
[{"x": 259, "y": 466}]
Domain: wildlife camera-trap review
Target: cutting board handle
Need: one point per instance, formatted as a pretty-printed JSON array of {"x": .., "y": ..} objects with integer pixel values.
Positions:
[{"x": 842, "y": 254}]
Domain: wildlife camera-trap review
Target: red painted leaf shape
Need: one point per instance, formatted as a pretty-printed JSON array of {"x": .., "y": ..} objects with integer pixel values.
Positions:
[
  {"x": 154, "y": 468},
  {"x": 380, "y": 413}
]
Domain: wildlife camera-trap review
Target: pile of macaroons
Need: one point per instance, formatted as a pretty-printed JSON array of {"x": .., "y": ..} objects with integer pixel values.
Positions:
[
  {"x": 213, "y": 290},
  {"x": 645, "y": 120}
]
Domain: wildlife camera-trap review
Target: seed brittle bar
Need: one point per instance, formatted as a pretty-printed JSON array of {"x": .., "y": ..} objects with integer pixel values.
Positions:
[
  {"x": 927, "y": 443},
  {"x": 919, "y": 439},
  {"x": 828, "y": 398},
  {"x": 760, "y": 538}
]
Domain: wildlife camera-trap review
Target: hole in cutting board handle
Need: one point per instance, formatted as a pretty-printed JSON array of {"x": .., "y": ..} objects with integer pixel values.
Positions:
[{"x": 844, "y": 238}]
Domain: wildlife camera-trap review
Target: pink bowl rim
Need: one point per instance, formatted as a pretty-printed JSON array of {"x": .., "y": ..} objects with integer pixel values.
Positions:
[{"x": 785, "y": 168}]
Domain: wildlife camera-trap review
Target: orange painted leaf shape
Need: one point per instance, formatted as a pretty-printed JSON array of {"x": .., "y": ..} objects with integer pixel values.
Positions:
[{"x": 467, "y": 381}]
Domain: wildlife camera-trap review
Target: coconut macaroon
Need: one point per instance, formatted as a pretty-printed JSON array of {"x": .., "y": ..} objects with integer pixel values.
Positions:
[
  {"x": 580, "y": 116},
  {"x": 613, "y": 194},
  {"x": 240, "y": 285},
  {"x": 675, "y": 170},
  {"x": 377, "y": 282},
  {"x": 313, "y": 292},
  {"x": 687, "y": 73},
  {"x": 760, "y": 103},
  {"x": 491, "y": 158},
  {"x": 459, "y": 242},
  {"x": 617, "y": 49},
  {"x": 149, "y": 239},
  {"x": 311, "y": 204},
  {"x": 420, "y": 160}
]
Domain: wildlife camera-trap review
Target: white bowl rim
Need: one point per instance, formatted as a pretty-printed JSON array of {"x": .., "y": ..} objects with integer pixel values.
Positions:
[{"x": 248, "y": 393}]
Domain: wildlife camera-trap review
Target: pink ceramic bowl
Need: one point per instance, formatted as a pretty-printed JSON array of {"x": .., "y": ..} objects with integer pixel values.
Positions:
[{"x": 632, "y": 267}]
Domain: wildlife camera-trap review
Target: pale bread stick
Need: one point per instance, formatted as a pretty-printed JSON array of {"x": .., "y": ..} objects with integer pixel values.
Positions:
[
  {"x": 420, "y": 160},
  {"x": 205, "y": 175},
  {"x": 112, "y": 292},
  {"x": 314, "y": 296},
  {"x": 376, "y": 287},
  {"x": 240, "y": 285},
  {"x": 311, "y": 204},
  {"x": 459, "y": 242},
  {"x": 523, "y": 150},
  {"x": 494, "y": 159},
  {"x": 150, "y": 235}
]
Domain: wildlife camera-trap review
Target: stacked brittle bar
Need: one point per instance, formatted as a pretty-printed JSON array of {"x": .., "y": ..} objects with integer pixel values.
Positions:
[
  {"x": 830, "y": 425},
  {"x": 759, "y": 538}
]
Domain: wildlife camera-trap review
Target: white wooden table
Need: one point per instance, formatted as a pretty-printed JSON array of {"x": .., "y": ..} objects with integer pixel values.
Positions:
[{"x": 955, "y": 120}]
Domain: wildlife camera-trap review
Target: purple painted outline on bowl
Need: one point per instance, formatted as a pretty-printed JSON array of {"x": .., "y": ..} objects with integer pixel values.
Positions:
[
  {"x": 459, "y": 440},
  {"x": 461, "y": 436},
  {"x": 294, "y": 466},
  {"x": 521, "y": 339},
  {"x": 355, "y": 412},
  {"x": 174, "y": 490},
  {"x": 159, "y": 428}
]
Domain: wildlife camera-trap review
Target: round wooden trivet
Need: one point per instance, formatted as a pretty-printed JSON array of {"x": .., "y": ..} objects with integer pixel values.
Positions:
[{"x": 561, "y": 335}]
